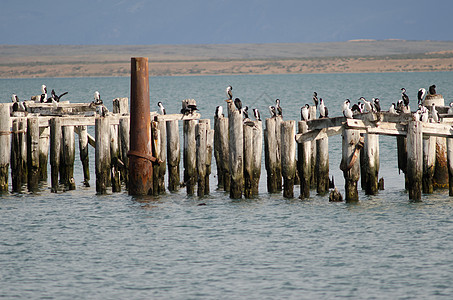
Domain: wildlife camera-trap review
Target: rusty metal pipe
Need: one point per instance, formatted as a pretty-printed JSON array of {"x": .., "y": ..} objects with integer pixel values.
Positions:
[{"x": 140, "y": 153}]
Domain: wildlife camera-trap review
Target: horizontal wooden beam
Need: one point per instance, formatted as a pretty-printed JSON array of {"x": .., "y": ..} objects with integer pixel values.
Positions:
[
  {"x": 172, "y": 117},
  {"x": 318, "y": 134}
]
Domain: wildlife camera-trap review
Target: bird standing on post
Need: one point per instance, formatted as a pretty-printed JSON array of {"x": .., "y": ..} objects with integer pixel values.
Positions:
[
  {"x": 219, "y": 112},
  {"x": 432, "y": 89},
  {"x": 315, "y": 99},
  {"x": 405, "y": 97},
  {"x": 162, "y": 108},
  {"x": 238, "y": 104},
  {"x": 347, "y": 112},
  {"x": 392, "y": 109},
  {"x": 435, "y": 114},
  {"x": 97, "y": 98},
  {"x": 272, "y": 111},
  {"x": 256, "y": 114},
  {"x": 278, "y": 108},
  {"x": 43, "y": 93},
  {"x": 323, "y": 112},
  {"x": 421, "y": 95},
  {"x": 229, "y": 92},
  {"x": 304, "y": 112},
  {"x": 376, "y": 104},
  {"x": 367, "y": 104}
]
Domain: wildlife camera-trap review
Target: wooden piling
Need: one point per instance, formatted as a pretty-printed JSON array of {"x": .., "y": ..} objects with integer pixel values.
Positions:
[
  {"x": 221, "y": 146},
  {"x": 5, "y": 145},
  {"x": 162, "y": 167},
  {"x": 450, "y": 165},
  {"x": 68, "y": 157},
  {"x": 257, "y": 156},
  {"x": 140, "y": 153},
  {"x": 401, "y": 146},
  {"x": 121, "y": 106},
  {"x": 33, "y": 153},
  {"x": 429, "y": 158},
  {"x": 313, "y": 178},
  {"x": 201, "y": 146},
  {"x": 236, "y": 152},
  {"x": 322, "y": 165},
  {"x": 414, "y": 159},
  {"x": 55, "y": 150},
  {"x": 304, "y": 162},
  {"x": 209, "y": 151},
  {"x": 124, "y": 138},
  {"x": 270, "y": 154},
  {"x": 350, "y": 163},
  {"x": 370, "y": 170},
  {"x": 189, "y": 155},
  {"x": 248, "y": 160},
  {"x": 114, "y": 159},
  {"x": 23, "y": 149},
  {"x": 16, "y": 162},
  {"x": 278, "y": 138},
  {"x": 102, "y": 154},
  {"x": 44, "y": 133},
  {"x": 288, "y": 154},
  {"x": 83, "y": 152},
  {"x": 173, "y": 155}
]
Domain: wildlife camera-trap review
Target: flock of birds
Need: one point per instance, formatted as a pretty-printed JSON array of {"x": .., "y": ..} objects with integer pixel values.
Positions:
[{"x": 54, "y": 98}]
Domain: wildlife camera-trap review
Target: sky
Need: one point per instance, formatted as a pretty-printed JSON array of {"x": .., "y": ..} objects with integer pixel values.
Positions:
[{"x": 146, "y": 22}]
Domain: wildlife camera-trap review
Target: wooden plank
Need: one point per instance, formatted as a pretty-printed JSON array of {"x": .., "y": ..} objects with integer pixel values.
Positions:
[
  {"x": 194, "y": 116},
  {"x": 318, "y": 134}
]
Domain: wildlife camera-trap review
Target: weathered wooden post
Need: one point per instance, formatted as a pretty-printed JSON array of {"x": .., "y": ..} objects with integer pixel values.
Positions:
[
  {"x": 33, "y": 152},
  {"x": 221, "y": 142},
  {"x": 450, "y": 165},
  {"x": 162, "y": 167},
  {"x": 415, "y": 159},
  {"x": 173, "y": 155},
  {"x": 83, "y": 151},
  {"x": 55, "y": 150},
  {"x": 102, "y": 154},
  {"x": 288, "y": 153},
  {"x": 429, "y": 158},
  {"x": 155, "y": 137},
  {"x": 189, "y": 155},
  {"x": 121, "y": 106},
  {"x": 236, "y": 152},
  {"x": 270, "y": 154},
  {"x": 124, "y": 138},
  {"x": 304, "y": 162},
  {"x": 68, "y": 157},
  {"x": 401, "y": 146},
  {"x": 140, "y": 153},
  {"x": 114, "y": 159},
  {"x": 44, "y": 133},
  {"x": 23, "y": 148},
  {"x": 440, "y": 177},
  {"x": 370, "y": 170},
  {"x": 18, "y": 164},
  {"x": 248, "y": 159},
  {"x": 278, "y": 138},
  {"x": 5, "y": 145},
  {"x": 314, "y": 152},
  {"x": 200, "y": 134},
  {"x": 350, "y": 163},
  {"x": 209, "y": 150},
  {"x": 257, "y": 155},
  {"x": 322, "y": 165}
]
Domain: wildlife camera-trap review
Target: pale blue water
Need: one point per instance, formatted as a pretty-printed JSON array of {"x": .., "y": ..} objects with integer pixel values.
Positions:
[{"x": 77, "y": 245}]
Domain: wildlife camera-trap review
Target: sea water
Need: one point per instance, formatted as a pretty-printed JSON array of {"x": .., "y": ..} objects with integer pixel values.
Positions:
[{"x": 79, "y": 245}]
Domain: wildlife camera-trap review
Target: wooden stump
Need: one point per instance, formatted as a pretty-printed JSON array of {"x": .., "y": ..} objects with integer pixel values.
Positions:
[
  {"x": 102, "y": 154},
  {"x": 162, "y": 167},
  {"x": 257, "y": 156},
  {"x": 114, "y": 159},
  {"x": 450, "y": 165},
  {"x": 370, "y": 170},
  {"x": 33, "y": 153},
  {"x": 44, "y": 133},
  {"x": 236, "y": 153},
  {"x": 414, "y": 159},
  {"x": 5, "y": 145},
  {"x": 429, "y": 158},
  {"x": 68, "y": 157},
  {"x": 83, "y": 151},
  {"x": 304, "y": 163},
  {"x": 314, "y": 152},
  {"x": 201, "y": 142},
  {"x": 173, "y": 155},
  {"x": 272, "y": 162},
  {"x": 55, "y": 150},
  {"x": 288, "y": 154},
  {"x": 189, "y": 156},
  {"x": 350, "y": 163},
  {"x": 322, "y": 165},
  {"x": 124, "y": 138}
]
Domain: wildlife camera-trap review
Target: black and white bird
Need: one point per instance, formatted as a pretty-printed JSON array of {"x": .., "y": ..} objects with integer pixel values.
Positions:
[
  {"x": 424, "y": 114},
  {"x": 55, "y": 97},
  {"x": 432, "y": 89},
  {"x": 305, "y": 113},
  {"x": 238, "y": 104},
  {"x": 358, "y": 108},
  {"x": 161, "y": 108},
  {"x": 43, "y": 94},
  {"x": 315, "y": 99},
  {"x": 368, "y": 105},
  {"x": 17, "y": 105},
  {"x": 272, "y": 111},
  {"x": 421, "y": 95},
  {"x": 323, "y": 111},
  {"x": 347, "y": 111},
  {"x": 256, "y": 114},
  {"x": 405, "y": 97},
  {"x": 278, "y": 108},
  {"x": 392, "y": 109},
  {"x": 377, "y": 105},
  {"x": 435, "y": 114},
  {"x": 229, "y": 92},
  {"x": 450, "y": 109},
  {"x": 219, "y": 112},
  {"x": 189, "y": 109},
  {"x": 245, "y": 112},
  {"x": 97, "y": 98},
  {"x": 400, "y": 106},
  {"x": 345, "y": 104}
]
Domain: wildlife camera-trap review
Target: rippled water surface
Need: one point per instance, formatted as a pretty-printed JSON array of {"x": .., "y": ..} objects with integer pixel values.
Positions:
[{"x": 78, "y": 245}]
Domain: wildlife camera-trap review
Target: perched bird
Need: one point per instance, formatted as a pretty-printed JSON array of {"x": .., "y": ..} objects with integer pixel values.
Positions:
[
  {"x": 97, "y": 98},
  {"x": 367, "y": 104},
  {"x": 162, "y": 108},
  {"x": 323, "y": 111},
  {"x": 17, "y": 105},
  {"x": 229, "y": 92},
  {"x": 245, "y": 112},
  {"x": 424, "y": 114},
  {"x": 101, "y": 110},
  {"x": 272, "y": 111},
  {"x": 278, "y": 108},
  {"x": 347, "y": 112},
  {"x": 400, "y": 106},
  {"x": 432, "y": 89},
  {"x": 346, "y": 103},
  {"x": 238, "y": 104},
  {"x": 256, "y": 114},
  {"x": 405, "y": 97},
  {"x": 435, "y": 114},
  {"x": 358, "y": 108},
  {"x": 392, "y": 109},
  {"x": 315, "y": 99},
  {"x": 450, "y": 109},
  {"x": 304, "y": 112},
  {"x": 14, "y": 98},
  {"x": 219, "y": 112},
  {"x": 189, "y": 109},
  {"x": 421, "y": 95},
  {"x": 55, "y": 97},
  {"x": 377, "y": 104},
  {"x": 43, "y": 94}
]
